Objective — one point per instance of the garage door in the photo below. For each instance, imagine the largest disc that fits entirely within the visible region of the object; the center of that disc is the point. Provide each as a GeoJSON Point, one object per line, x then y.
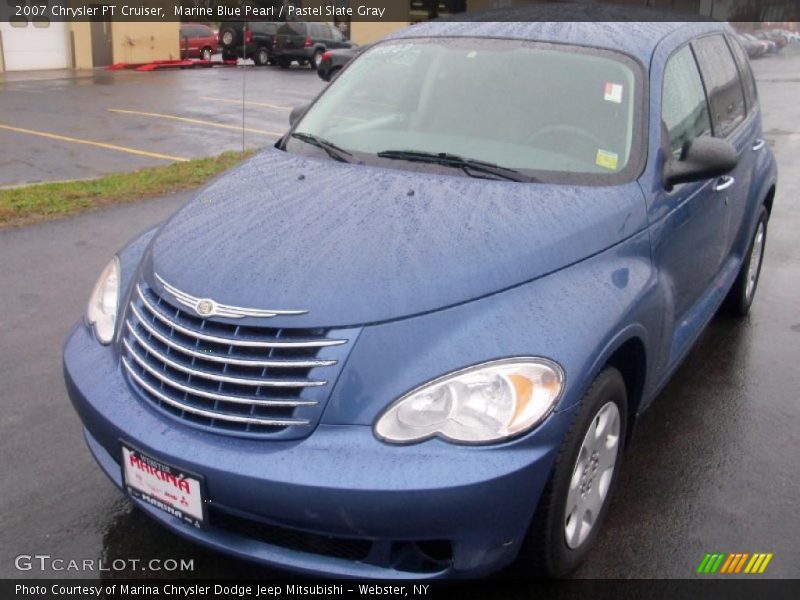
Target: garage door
{"type": "Point", "coordinates": [28, 46]}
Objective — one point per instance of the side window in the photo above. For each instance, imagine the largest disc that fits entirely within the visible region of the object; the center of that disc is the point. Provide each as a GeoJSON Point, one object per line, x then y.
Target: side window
{"type": "Point", "coordinates": [725, 92]}
{"type": "Point", "coordinates": [684, 110]}
{"type": "Point", "coordinates": [746, 72]}
{"type": "Point", "coordinates": [318, 32]}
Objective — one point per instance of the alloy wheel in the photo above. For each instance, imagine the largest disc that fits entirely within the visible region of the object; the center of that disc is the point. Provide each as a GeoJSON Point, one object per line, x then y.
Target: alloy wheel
{"type": "Point", "coordinates": [754, 262]}
{"type": "Point", "coordinates": [592, 475]}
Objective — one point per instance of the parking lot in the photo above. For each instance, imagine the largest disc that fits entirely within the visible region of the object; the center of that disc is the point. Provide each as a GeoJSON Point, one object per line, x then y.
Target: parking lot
{"type": "Point", "coordinates": [59, 127]}
{"type": "Point", "coordinates": [712, 465]}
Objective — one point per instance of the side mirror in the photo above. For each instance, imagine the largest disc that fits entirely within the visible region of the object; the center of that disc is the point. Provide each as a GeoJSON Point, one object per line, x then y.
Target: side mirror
{"type": "Point", "coordinates": [297, 112]}
{"type": "Point", "coordinates": [702, 158]}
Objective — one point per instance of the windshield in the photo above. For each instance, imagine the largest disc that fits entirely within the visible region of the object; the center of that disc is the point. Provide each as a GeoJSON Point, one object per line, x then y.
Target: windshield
{"type": "Point", "coordinates": [554, 112]}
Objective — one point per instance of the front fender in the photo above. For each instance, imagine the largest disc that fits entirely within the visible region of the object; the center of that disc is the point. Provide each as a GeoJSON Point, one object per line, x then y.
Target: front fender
{"type": "Point", "coordinates": [576, 316]}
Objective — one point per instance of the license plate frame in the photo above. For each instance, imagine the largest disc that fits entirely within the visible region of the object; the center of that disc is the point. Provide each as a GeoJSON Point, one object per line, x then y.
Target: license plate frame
{"type": "Point", "coordinates": [173, 490]}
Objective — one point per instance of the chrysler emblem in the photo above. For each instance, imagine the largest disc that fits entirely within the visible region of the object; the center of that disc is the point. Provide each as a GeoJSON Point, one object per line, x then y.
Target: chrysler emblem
{"type": "Point", "coordinates": [204, 307]}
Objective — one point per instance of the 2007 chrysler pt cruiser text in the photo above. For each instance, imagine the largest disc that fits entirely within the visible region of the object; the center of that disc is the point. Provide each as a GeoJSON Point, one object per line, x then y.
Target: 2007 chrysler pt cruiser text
{"type": "Point", "coordinates": [413, 337]}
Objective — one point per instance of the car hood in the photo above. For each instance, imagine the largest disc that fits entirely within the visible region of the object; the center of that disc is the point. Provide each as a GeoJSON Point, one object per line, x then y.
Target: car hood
{"type": "Point", "coordinates": [354, 244]}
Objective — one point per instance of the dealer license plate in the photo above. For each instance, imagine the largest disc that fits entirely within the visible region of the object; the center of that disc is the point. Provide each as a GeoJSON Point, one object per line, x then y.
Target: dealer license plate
{"type": "Point", "coordinates": [163, 486]}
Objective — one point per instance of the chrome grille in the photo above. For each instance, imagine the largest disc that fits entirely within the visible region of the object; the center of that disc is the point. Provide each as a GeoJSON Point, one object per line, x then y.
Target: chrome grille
{"type": "Point", "coordinates": [234, 378]}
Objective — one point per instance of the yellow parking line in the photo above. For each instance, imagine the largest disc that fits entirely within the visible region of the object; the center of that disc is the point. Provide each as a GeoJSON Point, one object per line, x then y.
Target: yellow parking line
{"type": "Point", "coordinates": [194, 121]}
{"type": "Point", "coordinates": [247, 102]}
{"type": "Point", "coordinates": [64, 138]}
{"type": "Point", "coordinates": [295, 93]}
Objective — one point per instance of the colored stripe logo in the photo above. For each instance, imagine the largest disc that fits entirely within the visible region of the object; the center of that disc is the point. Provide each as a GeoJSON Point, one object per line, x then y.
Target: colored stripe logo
{"type": "Point", "coordinates": [736, 563]}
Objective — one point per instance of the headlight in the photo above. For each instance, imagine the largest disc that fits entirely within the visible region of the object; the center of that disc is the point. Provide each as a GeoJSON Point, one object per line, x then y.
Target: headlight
{"type": "Point", "coordinates": [102, 311]}
{"type": "Point", "coordinates": [485, 403]}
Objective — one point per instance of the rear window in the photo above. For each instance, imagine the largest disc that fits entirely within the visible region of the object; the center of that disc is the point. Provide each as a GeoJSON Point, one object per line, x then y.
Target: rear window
{"type": "Point", "coordinates": [293, 29]}
{"type": "Point", "coordinates": [265, 28]}
{"type": "Point", "coordinates": [318, 31]}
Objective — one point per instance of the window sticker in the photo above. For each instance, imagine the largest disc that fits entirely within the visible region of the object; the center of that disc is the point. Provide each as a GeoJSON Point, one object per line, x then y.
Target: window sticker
{"type": "Point", "coordinates": [607, 159]}
{"type": "Point", "coordinates": [613, 92]}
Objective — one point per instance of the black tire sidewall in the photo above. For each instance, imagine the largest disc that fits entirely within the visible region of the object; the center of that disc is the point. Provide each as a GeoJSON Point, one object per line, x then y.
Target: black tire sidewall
{"type": "Point", "coordinates": [545, 551]}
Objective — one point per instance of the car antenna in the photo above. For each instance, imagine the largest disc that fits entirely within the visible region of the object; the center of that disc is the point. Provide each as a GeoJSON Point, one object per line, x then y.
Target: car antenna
{"type": "Point", "coordinates": [244, 77]}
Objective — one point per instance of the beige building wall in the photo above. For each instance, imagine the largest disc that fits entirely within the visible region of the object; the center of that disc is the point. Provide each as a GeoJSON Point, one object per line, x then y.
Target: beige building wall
{"type": "Point", "coordinates": [81, 36]}
{"type": "Point", "coordinates": [367, 32]}
{"type": "Point", "coordinates": [144, 42]}
{"type": "Point", "coordinates": [131, 42]}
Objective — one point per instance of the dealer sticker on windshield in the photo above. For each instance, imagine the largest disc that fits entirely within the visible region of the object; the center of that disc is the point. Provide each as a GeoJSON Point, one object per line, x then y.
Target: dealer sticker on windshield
{"type": "Point", "coordinates": [613, 93]}
{"type": "Point", "coordinates": [163, 486]}
{"type": "Point", "coordinates": [607, 159]}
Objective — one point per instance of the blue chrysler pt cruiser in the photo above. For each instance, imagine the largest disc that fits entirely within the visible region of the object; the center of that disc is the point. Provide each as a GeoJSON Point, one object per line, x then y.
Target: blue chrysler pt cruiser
{"type": "Point", "coordinates": [413, 337]}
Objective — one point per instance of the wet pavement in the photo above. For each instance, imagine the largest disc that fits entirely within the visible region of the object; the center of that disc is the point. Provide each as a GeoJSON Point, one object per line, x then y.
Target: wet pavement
{"type": "Point", "coordinates": [173, 113]}
{"type": "Point", "coordinates": [712, 467]}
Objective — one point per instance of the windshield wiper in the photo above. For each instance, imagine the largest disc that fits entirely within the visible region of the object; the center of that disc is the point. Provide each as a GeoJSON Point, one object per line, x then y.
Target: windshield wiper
{"type": "Point", "coordinates": [470, 166]}
{"type": "Point", "coordinates": [334, 151]}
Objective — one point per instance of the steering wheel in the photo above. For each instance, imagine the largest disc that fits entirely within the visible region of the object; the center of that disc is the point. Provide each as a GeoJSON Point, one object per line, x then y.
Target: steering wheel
{"type": "Point", "coordinates": [570, 130]}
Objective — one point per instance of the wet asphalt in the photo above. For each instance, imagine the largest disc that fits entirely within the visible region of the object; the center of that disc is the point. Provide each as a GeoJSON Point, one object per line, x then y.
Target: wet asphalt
{"type": "Point", "coordinates": [712, 467]}
{"type": "Point", "coordinates": [137, 111]}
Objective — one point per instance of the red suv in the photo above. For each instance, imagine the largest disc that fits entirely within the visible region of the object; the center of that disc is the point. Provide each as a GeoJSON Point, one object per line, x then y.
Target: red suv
{"type": "Point", "coordinates": [197, 41]}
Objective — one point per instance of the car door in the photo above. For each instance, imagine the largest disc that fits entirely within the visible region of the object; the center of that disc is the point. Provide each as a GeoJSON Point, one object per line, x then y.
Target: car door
{"type": "Point", "coordinates": [194, 40]}
{"type": "Point", "coordinates": [690, 221]}
{"type": "Point", "coordinates": [729, 121]}
{"type": "Point", "coordinates": [754, 148]}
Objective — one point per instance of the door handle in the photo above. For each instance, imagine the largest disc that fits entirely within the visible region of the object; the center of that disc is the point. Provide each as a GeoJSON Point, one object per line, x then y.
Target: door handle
{"type": "Point", "coordinates": [758, 145]}
{"type": "Point", "coordinates": [723, 183]}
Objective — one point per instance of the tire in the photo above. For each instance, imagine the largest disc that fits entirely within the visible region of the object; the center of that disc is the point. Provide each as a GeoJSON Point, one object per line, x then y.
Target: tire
{"type": "Point", "coordinates": [284, 63]}
{"type": "Point", "coordinates": [228, 36]}
{"type": "Point", "coordinates": [315, 60]}
{"type": "Point", "coordinates": [740, 297]}
{"type": "Point", "coordinates": [261, 56]}
{"type": "Point", "coordinates": [546, 550]}
{"type": "Point", "coordinates": [333, 73]}
{"type": "Point", "coordinates": [205, 53]}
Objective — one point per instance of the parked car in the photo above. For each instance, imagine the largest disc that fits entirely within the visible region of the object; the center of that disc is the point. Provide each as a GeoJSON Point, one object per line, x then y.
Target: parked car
{"type": "Point", "coordinates": [332, 61]}
{"type": "Point", "coordinates": [422, 348]}
{"type": "Point", "coordinates": [254, 39]}
{"type": "Point", "coordinates": [778, 40]}
{"type": "Point", "coordinates": [306, 43]}
{"type": "Point", "coordinates": [754, 47]}
{"type": "Point", "coordinates": [197, 41]}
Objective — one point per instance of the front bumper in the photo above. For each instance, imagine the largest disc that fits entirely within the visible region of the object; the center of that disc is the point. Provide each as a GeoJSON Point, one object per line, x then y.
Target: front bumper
{"type": "Point", "coordinates": [340, 482]}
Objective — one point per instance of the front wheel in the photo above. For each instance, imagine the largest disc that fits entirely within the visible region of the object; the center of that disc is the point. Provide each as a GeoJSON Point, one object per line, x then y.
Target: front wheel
{"type": "Point", "coordinates": [316, 59]}
{"type": "Point", "coordinates": [740, 298]}
{"type": "Point", "coordinates": [575, 501]}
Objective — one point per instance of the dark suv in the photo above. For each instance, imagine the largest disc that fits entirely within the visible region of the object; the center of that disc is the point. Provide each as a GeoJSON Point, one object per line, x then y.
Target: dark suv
{"type": "Point", "coordinates": [255, 40]}
{"type": "Point", "coordinates": [306, 43]}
